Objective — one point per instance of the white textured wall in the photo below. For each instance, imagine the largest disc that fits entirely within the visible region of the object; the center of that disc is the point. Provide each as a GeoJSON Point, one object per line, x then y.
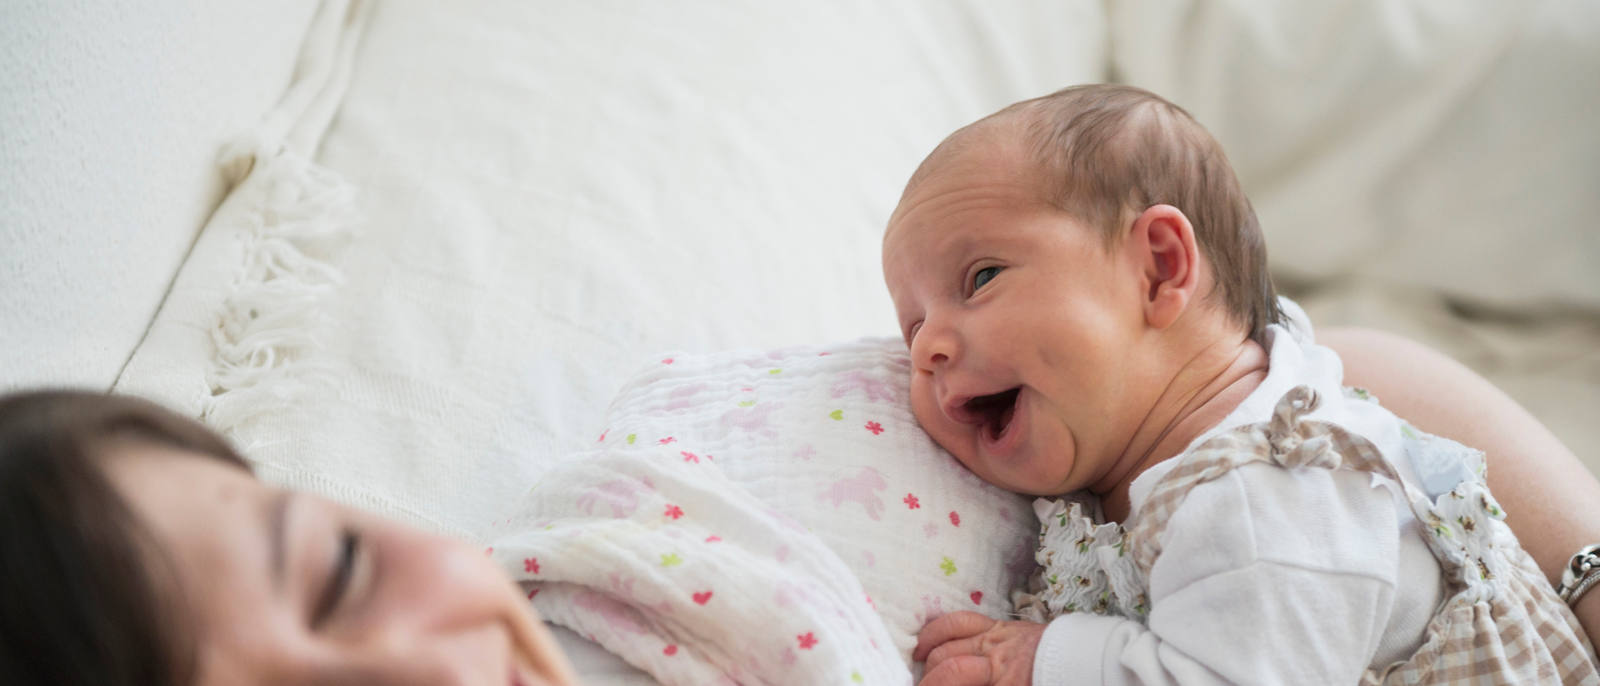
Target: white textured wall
{"type": "Point", "coordinates": [111, 114]}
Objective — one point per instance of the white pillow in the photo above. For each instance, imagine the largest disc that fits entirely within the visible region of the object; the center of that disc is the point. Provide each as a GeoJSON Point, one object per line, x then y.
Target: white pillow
{"type": "Point", "coordinates": [825, 435]}
{"type": "Point", "coordinates": [1446, 145]}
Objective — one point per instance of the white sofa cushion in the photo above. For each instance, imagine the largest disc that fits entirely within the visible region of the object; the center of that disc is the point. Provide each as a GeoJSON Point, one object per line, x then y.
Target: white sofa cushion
{"type": "Point", "coordinates": [1442, 145]}
{"type": "Point", "coordinates": [112, 120]}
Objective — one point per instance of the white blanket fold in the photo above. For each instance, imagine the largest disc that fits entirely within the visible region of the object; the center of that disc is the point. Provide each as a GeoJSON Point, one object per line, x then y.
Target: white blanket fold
{"type": "Point", "coordinates": [659, 558]}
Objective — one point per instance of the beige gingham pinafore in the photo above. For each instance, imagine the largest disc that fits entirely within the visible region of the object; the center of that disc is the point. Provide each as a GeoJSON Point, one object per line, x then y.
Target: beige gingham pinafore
{"type": "Point", "coordinates": [1500, 622]}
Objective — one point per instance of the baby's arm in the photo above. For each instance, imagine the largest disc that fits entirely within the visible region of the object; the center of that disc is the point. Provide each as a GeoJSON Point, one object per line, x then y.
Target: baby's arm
{"type": "Point", "coordinates": [1549, 496]}
{"type": "Point", "coordinates": [1267, 576]}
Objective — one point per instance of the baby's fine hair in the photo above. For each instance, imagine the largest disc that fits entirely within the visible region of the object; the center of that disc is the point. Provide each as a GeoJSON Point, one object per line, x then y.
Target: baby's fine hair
{"type": "Point", "coordinates": [1109, 149]}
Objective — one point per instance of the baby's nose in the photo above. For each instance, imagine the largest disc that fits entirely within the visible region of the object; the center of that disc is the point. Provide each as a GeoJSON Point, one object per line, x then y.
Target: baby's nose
{"type": "Point", "coordinates": [934, 348]}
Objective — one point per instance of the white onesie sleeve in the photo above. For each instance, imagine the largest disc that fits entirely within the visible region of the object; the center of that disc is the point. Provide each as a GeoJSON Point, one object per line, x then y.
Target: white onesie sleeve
{"type": "Point", "coordinates": [1266, 576]}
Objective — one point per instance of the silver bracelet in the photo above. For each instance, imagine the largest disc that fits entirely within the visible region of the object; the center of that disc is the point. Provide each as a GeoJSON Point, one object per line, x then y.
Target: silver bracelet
{"type": "Point", "coordinates": [1581, 574]}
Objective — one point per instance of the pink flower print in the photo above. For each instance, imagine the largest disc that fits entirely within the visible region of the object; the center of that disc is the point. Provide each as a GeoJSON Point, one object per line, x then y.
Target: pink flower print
{"type": "Point", "coordinates": [667, 361]}
{"type": "Point", "coordinates": [667, 440]}
{"type": "Point", "coordinates": [533, 593]}
{"type": "Point", "coordinates": [823, 354]}
{"type": "Point", "coordinates": [955, 519]}
{"type": "Point", "coordinates": [977, 597]}
{"type": "Point", "coordinates": [488, 551]}
{"type": "Point", "coordinates": [673, 512]}
{"type": "Point", "coordinates": [713, 538]}
{"type": "Point", "coordinates": [911, 501]}
{"type": "Point", "coordinates": [531, 565]}
{"type": "Point", "coordinates": [871, 604]}
{"type": "Point", "coordinates": [670, 650]}
{"type": "Point", "coordinates": [603, 436]}
{"type": "Point", "coordinates": [807, 640]}
{"type": "Point", "coordinates": [875, 428]}
{"type": "Point", "coordinates": [702, 597]}
{"type": "Point", "coordinates": [689, 457]}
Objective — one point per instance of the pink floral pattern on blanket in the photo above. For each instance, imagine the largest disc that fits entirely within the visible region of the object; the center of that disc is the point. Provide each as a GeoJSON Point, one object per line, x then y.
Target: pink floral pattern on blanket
{"type": "Point", "coordinates": [824, 440]}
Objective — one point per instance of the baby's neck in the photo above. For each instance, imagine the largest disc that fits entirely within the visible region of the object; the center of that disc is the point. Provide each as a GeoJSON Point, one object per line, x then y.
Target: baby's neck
{"type": "Point", "coordinates": [1204, 390]}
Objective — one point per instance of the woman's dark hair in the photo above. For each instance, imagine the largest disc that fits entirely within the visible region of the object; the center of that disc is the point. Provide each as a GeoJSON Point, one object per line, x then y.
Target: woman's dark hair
{"type": "Point", "coordinates": [81, 574]}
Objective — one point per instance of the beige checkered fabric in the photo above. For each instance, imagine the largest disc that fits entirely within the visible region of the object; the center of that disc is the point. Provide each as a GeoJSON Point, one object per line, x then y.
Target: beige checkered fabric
{"type": "Point", "coordinates": [1500, 624]}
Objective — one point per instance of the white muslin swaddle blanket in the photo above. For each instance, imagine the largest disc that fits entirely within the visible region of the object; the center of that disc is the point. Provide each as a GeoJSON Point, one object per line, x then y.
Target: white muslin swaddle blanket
{"type": "Point", "coordinates": [661, 559]}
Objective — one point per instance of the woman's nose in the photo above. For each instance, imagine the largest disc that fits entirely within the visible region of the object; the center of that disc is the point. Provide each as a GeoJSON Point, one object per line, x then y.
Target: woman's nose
{"type": "Point", "coordinates": [435, 587]}
{"type": "Point", "coordinates": [936, 344]}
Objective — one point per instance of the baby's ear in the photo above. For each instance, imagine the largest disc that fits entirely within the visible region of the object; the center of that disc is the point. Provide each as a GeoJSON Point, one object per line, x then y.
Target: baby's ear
{"type": "Point", "coordinates": [1169, 260]}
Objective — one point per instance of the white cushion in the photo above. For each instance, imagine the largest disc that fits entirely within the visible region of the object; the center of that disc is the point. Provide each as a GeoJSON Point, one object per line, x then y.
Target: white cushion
{"type": "Point", "coordinates": [110, 126]}
{"type": "Point", "coordinates": [1444, 145]}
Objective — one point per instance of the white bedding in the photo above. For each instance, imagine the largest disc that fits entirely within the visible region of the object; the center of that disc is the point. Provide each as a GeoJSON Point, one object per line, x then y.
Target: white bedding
{"type": "Point", "coordinates": [553, 192]}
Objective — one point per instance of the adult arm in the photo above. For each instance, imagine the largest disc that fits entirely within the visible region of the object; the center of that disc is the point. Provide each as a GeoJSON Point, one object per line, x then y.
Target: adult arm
{"type": "Point", "coordinates": [1550, 498]}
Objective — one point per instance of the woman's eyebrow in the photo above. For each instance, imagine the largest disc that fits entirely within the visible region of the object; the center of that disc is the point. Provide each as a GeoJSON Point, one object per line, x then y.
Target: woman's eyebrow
{"type": "Point", "coordinates": [277, 526]}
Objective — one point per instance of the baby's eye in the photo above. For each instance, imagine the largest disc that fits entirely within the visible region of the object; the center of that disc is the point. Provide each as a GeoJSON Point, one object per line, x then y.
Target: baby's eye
{"type": "Point", "coordinates": [984, 276]}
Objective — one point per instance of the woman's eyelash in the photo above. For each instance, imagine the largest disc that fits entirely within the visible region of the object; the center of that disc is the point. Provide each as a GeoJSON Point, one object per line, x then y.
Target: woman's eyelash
{"type": "Point", "coordinates": [349, 544]}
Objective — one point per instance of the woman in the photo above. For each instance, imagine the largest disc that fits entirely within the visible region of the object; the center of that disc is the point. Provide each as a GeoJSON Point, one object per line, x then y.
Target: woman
{"type": "Point", "coordinates": [121, 519]}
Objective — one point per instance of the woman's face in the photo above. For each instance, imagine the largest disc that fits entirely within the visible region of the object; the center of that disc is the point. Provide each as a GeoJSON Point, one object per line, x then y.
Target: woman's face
{"type": "Point", "coordinates": [286, 588]}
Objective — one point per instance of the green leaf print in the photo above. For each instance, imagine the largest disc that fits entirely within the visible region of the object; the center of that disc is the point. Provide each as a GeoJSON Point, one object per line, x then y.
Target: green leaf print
{"type": "Point", "coordinates": [948, 565]}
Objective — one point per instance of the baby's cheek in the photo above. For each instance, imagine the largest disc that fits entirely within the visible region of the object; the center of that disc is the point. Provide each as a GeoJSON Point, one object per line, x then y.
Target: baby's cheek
{"type": "Point", "coordinates": [924, 406]}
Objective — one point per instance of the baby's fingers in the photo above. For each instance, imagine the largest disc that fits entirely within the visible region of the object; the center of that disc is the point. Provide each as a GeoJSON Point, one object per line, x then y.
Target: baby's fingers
{"type": "Point", "coordinates": [963, 670]}
{"type": "Point", "coordinates": [971, 645]}
{"type": "Point", "coordinates": [949, 628]}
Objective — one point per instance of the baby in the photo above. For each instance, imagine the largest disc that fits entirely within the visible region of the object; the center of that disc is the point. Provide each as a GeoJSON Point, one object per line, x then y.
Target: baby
{"type": "Point", "coordinates": [1083, 287]}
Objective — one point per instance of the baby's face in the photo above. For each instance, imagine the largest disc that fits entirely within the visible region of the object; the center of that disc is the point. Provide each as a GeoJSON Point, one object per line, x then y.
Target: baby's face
{"type": "Point", "coordinates": [1016, 316]}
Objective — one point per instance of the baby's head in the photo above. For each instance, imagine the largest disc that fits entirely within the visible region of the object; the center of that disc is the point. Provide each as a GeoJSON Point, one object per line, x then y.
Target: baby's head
{"type": "Point", "coordinates": [1053, 264]}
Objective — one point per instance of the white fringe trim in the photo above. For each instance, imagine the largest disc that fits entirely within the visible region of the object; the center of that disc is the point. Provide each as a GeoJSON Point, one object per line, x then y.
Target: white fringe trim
{"type": "Point", "coordinates": [266, 335]}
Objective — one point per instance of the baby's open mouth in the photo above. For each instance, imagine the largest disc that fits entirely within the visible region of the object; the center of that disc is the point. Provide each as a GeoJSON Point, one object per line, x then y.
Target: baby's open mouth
{"type": "Point", "coordinates": [995, 410]}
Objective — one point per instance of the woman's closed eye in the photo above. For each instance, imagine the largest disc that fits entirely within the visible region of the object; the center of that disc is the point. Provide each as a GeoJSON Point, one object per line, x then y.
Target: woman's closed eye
{"type": "Point", "coordinates": [338, 584]}
{"type": "Point", "coordinates": [983, 276]}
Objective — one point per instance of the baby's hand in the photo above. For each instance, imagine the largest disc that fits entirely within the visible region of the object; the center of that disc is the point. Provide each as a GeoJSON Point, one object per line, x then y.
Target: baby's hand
{"type": "Point", "coordinates": [969, 649]}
